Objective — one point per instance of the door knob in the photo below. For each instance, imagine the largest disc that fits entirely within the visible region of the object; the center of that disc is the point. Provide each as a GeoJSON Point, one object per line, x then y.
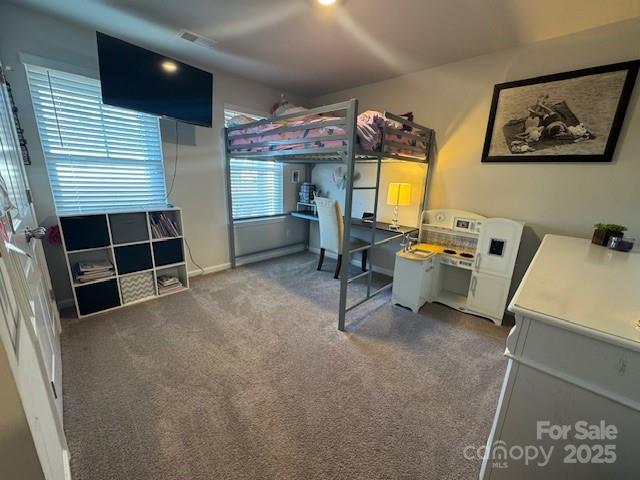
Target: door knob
{"type": "Point", "coordinates": [37, 233]}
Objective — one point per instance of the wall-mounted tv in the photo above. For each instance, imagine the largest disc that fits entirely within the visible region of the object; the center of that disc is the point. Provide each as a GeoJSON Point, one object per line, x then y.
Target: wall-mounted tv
{"type": "Point", "coordinates": [145, 81]}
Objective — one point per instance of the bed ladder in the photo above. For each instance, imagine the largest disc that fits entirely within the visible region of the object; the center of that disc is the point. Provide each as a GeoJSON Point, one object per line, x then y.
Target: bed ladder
{"type": "Point", "coordinates": [372, 244]}
{"type": "Point", "coordinates": [345, 280]}
{"type": "Point", "coordinates": [349, 160]}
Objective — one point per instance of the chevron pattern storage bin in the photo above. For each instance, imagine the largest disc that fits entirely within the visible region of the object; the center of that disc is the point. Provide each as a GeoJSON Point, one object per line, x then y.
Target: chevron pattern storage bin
{"type": "Point", "coordinates": [137, 287]}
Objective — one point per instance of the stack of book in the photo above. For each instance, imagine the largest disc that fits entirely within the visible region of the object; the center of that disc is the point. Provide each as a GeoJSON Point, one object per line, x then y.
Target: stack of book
{"type": "Point", "coordinates": [168, 284]}
{"type": "Point", "coordinates": [90, 271]}
{"type": "Point", "coordinates": [162, 226]}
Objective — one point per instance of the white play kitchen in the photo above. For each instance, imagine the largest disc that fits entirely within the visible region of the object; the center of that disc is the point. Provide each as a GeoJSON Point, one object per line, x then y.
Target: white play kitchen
{"type": "Point", "coordinates": [462, 260]}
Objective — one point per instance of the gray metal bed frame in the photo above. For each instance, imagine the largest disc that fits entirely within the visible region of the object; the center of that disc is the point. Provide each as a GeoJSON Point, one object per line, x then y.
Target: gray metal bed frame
{"type": "Point", "coordinates": [348, 154]}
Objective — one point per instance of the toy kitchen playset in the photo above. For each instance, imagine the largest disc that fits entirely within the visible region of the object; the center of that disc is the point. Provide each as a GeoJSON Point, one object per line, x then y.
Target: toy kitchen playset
{"type": "Point", "coordinates": [463, 260]}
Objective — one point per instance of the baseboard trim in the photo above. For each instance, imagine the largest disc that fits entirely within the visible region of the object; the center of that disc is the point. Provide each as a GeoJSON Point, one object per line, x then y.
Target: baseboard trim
{"type": "Point", "coordinates": [251, 258]}
{"type": "Point", "coordinates": [277, 252]}
{"type": "Point", "coordinates": [65, 303]}
{"type": "Point", "coordinates": [355, 262]}
{"type": "Point", "coordinates": [208, 270]}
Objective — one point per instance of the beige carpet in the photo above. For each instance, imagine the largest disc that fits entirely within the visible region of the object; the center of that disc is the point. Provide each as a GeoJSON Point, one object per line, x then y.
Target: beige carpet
{"type": "Point", "coordinates": [246, 377]}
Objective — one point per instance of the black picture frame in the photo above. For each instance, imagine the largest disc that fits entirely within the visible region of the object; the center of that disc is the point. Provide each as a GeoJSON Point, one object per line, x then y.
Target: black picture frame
{"type": "Point", "coordinates": [606, 155]}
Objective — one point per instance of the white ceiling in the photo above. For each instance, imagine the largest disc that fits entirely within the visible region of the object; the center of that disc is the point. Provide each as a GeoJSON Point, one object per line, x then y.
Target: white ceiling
{"type": "Point", "coordinates": [305, 48]}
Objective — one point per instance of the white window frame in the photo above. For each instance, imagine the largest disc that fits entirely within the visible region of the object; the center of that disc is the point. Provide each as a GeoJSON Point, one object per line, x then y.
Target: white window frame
{"type": "Point", "coordinates": [12, 175]}
{"type": "Point", "coordinates": [122, 152]}
{"type": "Point", "coordinates": [254, 168]}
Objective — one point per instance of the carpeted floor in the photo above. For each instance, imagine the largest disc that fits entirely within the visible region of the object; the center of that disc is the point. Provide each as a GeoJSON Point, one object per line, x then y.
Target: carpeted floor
{"type": "Point", "coordinates": [246, 377]}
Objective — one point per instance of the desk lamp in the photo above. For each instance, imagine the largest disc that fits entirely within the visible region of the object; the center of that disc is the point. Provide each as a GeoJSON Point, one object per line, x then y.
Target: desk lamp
{"type": "Point", "coordinates": [398, 195]}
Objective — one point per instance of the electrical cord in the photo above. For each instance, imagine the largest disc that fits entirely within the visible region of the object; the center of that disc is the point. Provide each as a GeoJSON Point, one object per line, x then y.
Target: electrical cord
{"type": "Point", "coordinates": [175, 166]}
{"type": "Point", "coordinates": [173, 181]}
{"type": "Point", "coordinates": [202, 272]}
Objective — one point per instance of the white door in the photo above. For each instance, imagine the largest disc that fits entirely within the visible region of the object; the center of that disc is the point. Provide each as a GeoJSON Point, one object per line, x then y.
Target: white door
{"type": "Point", "coordinates": [488, 296]}
{"type": "Point", "coordinates": [35, 343]}
{"type": "Point", "coordinates": [498, 246]}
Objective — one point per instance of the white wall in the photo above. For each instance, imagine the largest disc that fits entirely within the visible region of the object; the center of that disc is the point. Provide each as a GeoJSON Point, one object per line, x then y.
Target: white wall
{"type": "Point", "coordinates": [404, 172]}
{"type": "Point", "coordinates": [199, 187]}
{"type": "Point", "coordinates": [454, 99]}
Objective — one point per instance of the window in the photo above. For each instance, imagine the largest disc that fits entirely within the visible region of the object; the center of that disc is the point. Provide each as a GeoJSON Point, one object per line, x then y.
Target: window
{"type": "Point", "coordinates": [99, 158]}
{"type": "Point", "coordinates": [256, 185]}
{"type": "Point", "coordinates": [13, 191]}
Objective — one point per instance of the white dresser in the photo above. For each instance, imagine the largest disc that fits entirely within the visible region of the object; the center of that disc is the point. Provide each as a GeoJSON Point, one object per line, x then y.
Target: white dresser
{"type": "Point", "coordinates": [573, 370]}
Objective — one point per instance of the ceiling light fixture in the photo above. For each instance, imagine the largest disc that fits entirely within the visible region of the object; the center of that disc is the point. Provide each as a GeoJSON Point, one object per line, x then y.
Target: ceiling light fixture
{"type": "Point", "coordinates": [169, 66]}
{"type": "Point", "coordinates": [326, 2]}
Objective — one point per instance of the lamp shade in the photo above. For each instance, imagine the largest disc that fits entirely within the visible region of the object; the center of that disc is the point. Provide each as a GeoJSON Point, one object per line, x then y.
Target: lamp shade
{"type": "Point", "coordinates": [399, 194]}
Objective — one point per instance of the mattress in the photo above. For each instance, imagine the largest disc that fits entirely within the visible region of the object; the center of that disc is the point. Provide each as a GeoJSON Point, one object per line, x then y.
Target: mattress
{"type": "Point", "coordinates": [370, 125]}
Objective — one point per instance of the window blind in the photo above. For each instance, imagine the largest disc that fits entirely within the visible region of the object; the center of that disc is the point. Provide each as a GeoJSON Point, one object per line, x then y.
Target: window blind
{"type": "Point", "coordinates": [11, 176]}
{"type": "Point", "coordinates": [99, 158]}
{"type": "Point", "coordinates": [256, 185]}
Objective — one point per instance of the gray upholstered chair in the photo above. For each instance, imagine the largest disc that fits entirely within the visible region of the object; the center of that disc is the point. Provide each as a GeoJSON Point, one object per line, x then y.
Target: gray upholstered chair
{"type": "Point", "coordinates": [332, 231]}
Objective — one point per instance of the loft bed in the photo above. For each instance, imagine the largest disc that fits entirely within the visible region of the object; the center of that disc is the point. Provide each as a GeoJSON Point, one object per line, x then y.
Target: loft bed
{"type": "Point", "coordinates": [332, 134]}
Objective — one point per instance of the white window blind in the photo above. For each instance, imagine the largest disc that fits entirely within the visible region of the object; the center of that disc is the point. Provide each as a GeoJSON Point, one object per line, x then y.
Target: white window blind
{"type": "Point", "coordinates": [11, 175]}
{"type": "Point", "coordinates": [99, 158]}
{"type": "Point", "coordinates": [256, 185]}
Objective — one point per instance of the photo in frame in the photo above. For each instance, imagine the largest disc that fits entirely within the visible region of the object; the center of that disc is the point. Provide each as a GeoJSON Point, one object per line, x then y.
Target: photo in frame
{"type": "Point", "coordinates": [565, 117]}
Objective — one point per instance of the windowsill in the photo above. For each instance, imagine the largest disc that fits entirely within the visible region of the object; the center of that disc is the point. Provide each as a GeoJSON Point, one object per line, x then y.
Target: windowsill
{"type": "Point", "coordinates": [252, 221]}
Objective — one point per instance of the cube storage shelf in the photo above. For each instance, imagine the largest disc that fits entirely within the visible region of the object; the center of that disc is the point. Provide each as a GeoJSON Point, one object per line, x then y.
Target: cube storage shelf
{"type": "Point", "coordinates": [141, 246]}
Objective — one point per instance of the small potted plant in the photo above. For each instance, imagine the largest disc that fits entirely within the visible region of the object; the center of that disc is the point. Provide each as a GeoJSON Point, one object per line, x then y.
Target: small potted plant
{"type": "Point", "coordinates": [604, 231]}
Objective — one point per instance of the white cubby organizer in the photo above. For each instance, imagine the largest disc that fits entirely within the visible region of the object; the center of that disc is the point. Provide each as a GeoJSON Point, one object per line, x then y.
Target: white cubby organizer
{"type": "Point", "coordinates": [138, 252]}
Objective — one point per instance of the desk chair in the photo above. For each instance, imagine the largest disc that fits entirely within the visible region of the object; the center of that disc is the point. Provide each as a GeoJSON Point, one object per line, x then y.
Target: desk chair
{"type": "Point", "coordinates": [332, 231]}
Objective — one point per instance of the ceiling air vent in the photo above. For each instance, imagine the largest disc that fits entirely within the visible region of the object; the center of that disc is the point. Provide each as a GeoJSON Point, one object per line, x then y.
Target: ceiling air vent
{"type": "Point", "coordinates": [197, 39]}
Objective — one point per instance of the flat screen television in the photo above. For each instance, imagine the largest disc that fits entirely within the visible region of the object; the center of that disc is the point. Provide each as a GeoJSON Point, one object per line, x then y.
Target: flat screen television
{"type": "Point", "coordinates": [139, 79]}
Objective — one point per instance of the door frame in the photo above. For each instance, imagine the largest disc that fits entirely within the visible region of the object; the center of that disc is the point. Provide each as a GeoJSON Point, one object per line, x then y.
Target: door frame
{"type": "Point", "coordinates": [28, 367]}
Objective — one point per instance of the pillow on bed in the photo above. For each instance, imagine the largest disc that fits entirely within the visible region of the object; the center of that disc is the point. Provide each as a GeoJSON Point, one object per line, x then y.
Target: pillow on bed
{"type": "Point", "coordinates": [287, 108]}
{"type": "Point", "coordinates": [401, 126]}
{"type": "Point", "coordinates": [240, 120]}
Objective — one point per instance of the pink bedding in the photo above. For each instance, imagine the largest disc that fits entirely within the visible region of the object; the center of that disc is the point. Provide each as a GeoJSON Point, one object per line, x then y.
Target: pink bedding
{"type": "Point", "coordinates": [369, 129]}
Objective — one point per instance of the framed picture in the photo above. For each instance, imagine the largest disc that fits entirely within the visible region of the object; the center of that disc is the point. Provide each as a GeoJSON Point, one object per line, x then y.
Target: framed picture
{"type": "Point", "coordinates": [566, 117]}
